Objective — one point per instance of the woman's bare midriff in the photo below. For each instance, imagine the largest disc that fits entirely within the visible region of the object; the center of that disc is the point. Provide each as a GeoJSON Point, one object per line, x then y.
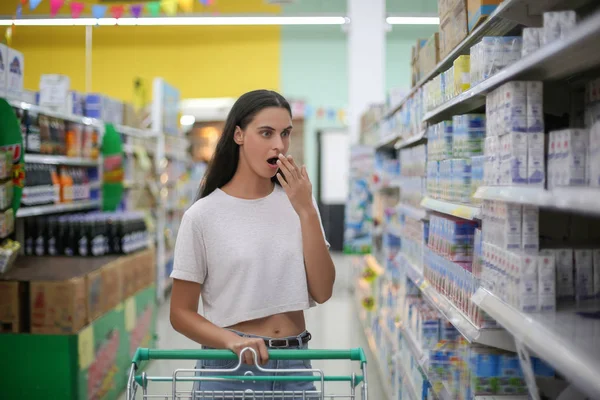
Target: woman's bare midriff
{"type": "Point", "coordinates": [275, 326]}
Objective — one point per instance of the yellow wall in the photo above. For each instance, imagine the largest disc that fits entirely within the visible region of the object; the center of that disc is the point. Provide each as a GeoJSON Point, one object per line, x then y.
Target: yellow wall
{"type": "Point", "coordinates": [200, 61]}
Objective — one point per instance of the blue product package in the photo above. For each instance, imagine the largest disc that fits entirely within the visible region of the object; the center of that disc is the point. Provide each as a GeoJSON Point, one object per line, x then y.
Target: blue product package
{"type": "Point", "coordinates": [484, 373]}
{"type": "Point", "coordinates": [542, 369]}
{"type": "Point", "coordinates": [511, 380]}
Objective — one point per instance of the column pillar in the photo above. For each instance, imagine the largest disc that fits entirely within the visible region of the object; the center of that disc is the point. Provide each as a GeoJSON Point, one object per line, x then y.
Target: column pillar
{"type": "Point", "coordinates": [366, 59]}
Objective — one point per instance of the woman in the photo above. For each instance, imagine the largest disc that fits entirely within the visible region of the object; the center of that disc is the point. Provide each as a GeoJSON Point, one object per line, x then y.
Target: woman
{"type": "Point", "coordinates": [253, 247]}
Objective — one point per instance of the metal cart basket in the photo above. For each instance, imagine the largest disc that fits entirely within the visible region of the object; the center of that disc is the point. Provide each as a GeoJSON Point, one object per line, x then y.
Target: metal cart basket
{"type": "Point", "coordinates": [143, 380]}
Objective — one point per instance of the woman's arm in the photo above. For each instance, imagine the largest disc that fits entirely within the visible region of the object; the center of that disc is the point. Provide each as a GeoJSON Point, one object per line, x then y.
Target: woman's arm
{"type": "Point", "coordinates": [320, 271]}
{"type": "Point", "coordinates": [186, 320]}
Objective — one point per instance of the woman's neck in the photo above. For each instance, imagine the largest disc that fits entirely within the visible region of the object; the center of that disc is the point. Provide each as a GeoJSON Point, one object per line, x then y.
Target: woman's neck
{"type": "Point", "coordinates": [245, 184]}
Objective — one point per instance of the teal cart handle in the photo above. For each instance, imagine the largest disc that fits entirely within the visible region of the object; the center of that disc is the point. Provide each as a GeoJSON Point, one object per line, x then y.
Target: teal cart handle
{"type": "Point", "coordinates": [145, 354]}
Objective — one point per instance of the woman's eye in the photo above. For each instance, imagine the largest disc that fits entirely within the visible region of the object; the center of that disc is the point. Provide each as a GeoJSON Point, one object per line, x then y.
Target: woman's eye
{"type": "Point", "coordinates": [285, 134]}
{"type": "Point", "coordinates": [266, 133]}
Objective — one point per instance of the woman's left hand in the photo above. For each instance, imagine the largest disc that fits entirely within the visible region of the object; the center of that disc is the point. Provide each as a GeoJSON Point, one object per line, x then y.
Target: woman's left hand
{"type": "Point", "coordinates": [296, 184]}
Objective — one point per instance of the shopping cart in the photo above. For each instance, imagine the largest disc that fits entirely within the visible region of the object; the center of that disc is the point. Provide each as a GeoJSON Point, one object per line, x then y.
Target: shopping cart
{"type": "Point", "coordinates": [189, 375]}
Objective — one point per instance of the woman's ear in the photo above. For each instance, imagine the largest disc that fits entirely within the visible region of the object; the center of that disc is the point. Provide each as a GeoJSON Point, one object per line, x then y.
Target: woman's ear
{"type": "Point", "coordinates": [238, 136]}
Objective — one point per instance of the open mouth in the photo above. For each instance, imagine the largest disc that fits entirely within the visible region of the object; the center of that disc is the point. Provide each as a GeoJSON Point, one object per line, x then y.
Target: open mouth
{"type": "Point", "coordinates": [272, 161]}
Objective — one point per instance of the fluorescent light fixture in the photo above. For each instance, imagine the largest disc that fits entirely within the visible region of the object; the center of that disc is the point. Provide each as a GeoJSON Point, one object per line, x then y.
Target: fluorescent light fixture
{"type": "Point", "coordinates": [413, 20]}
{"type": "Point", "coordinates": [179, 21]}
{"type": "Point", "coordinates": [187, 120]}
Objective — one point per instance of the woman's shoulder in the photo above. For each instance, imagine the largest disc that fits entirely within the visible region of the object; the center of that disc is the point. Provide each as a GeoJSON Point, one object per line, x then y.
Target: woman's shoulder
{"type": "Point", "coordinates": [203, 207]}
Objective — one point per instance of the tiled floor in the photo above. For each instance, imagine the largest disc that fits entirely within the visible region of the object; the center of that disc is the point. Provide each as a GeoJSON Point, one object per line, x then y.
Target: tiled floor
{"type": "Point", "coordinates": [334, 325]}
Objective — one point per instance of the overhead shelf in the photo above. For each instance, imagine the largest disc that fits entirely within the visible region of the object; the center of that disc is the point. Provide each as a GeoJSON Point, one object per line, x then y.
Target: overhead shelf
{"type": "Point", "coordinates": [55, 114]}
{"type": "Point", "coordinates": [402, 143]}
{"type": "Point", "coordinates": [57, 208]}
{"type": "Point", "coordinates": [567, 341]}
{"type": "Point", "coordinates": [458, 210]}
{"type": "Point", "coordinates": [498, 338]}
{"type": "Point", "coordinates": [61, 160]}
{"type": "Point", "coordinates": [388, 141]}
{"type": "Point", "coordinates": [413, 212]}
{"type": "Point", "coordinates": [560, 59]}
{"type": "Point", "coordinates": [580, 199]}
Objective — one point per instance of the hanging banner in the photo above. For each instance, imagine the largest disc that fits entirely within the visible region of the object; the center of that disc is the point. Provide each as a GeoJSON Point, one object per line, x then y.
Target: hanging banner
{"type": "Point", "coordinates": [98, 11]}
{"type": "Point", "coordinates": [187, 5]}
{"type": "Point", "coordinates": [136, 10]}
{"type": "Point", "coordinates": [113, 172]}
{"type": "Point", "coordinates": [153, 9]}
{"type": "Point", "coordinates": [76, 9]}
{"type": "Point", "coordinates": [117, 11]}
{"type": "Point", "coordinates": [33, 4]}
{"type": "Point", "coordinates": [55, 6]}
{"type": "Point", "coordinates": [169, 7]}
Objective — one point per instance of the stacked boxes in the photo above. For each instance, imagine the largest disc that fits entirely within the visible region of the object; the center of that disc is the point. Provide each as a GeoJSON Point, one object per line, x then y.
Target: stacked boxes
{"type": "Point", "coordinates": [453, 25]}
{"type": "Point", "coordinates": [567, 158]}
{"type": "Point", "coordinates": [515, 142]}
{"type": "Point", "coordinates": [557, 25]}
{"type": "Point", "coordinates": [493, 54]}
{"type": "Point", "coordinates": [429, 54]}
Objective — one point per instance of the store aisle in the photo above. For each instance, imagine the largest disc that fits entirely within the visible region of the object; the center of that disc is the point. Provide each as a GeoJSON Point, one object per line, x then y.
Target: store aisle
{"type": "Point", "coordinates": [334, 325]}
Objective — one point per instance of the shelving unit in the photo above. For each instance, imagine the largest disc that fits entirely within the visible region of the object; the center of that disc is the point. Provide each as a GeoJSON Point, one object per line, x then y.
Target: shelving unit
{"type": "Point", "coordinates": [60, 160]}
{"type": "Point", "coordinates": [457, 210]}
{"type": "Point", "coordinates": [413, 212]}
{"type": "Point", "coordinates": [579, 199]}
{"type": "Point", "coordinates": [37, 211]}
{"type": "Point", "coordinates": [566, 340]}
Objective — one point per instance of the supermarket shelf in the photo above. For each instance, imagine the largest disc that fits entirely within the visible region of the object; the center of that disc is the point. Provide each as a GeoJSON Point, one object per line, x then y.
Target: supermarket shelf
{"type": "Point", "coordinates": [406, 381]}
{"type": "Point", "coordinates": [567, 341]}
{"type": "Point", "coordinates": [457, 210]}
{"type": "Point", "coordinates": [387, 390]}
{"type": "Point", "coordinates": [135, 132]}
{"type": "Point", "coordinates": [61, 160]}
{"type": "Point", "coordinates": [498, 338]}
{"type": "Point", "coordinates": [411, 140]}
{"type": "Point", "coordinates": [50, 113]}
{"type": "Point", "coordinates": [413, 212]}
{"type": "Point", "coordinates": [57, 208]}
{"type": "Point", "coordinates": [388, 141]}
{"type": "Point", "coordinates": [581, 199]}
{"type": "Point", "coordinates": [560, 59]}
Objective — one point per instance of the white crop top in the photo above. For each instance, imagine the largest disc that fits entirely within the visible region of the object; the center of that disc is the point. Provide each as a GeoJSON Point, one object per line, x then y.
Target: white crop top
{"type": "Point", "coordinates": [247, 254]}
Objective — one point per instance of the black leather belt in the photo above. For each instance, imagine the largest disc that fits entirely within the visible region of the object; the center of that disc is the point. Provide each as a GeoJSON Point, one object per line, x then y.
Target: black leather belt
{"type": "Point", "coordinates": [287, 343]}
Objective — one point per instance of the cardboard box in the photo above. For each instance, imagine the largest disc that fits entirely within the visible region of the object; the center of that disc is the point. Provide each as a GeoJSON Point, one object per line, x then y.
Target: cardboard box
{"type": "Point", "coordinates": [94, 293]}
{"type": "Point", "coordinates": [12, 307]}
{"type": "Point", "coordinates": [58, 307]}
{"type": "Point", "coordinates": [429, 55]}
{"type": "Point", "coordinates": [479, 10]}
{"type": "Point", "coordinates": [112, 285]}
{"type": "Point", "coordinates": [453, 28]}
{"type": "Point", "coordinates": [16, 73]}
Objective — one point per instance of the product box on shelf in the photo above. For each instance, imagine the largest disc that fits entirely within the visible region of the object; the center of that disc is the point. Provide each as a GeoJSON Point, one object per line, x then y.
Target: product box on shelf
{"type": "Point", "coordinates": [462, 74]}
{"type": "Point", "coordinates": [104, 108]}
{"type": "Point", "coordinates": [532, 40]}
{"type": "Point", "coordinates": [594, 156]}
{"type": "Point", "coordinates": [16, 73]}
{"type": "Point", "coordinates": [557, 25]}
{"type": "Point", "coordinates": [584, 280]}
{"type": "Point", "coordinates": [54, 89]}
{"type": "Point", "coordinates": [429, 55]}
{"type": "Point", "coordinates": [479, 10]}
{"type": "Point", "coordinates": [13, 297]}
{"type": "Point", "coordinates": [3, 68]}
{"type": "Point", "coordinates": [547, 283]}
{"type": "Point", "coordinates": [453, 27]}
{"type": "Point", "coordinates": [58, 307]}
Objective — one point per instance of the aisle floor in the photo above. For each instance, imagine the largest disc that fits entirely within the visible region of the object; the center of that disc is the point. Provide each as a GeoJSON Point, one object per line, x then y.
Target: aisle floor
{"type": "Point", "coordinates": [334, 325]}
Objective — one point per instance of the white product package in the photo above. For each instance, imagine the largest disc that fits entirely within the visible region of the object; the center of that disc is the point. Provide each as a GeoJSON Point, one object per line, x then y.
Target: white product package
{"type": "Point", "coordinates": [532, 38]}
{"type": "Point", "coordinates": [584, 280]}
{"type": "Point", "coordinates": [513, 107]}
{"type": "Point", "coordinates": [16, 73]}
{"type": "Point", "coordinates": [565, 274]}
{"type": "Point", "coordinates": [530, 229]}
{"type": "Point", "coordinates": [594, 156]}
{"type": "Point", "coordinates": [528, 284]}
{"type": "Point", "coordinates": [596, 260]}
{"type": "Point", "coordinates": [547, 283]}
{"type": "Point", "coordinates": [514, 159]}
{"type": "Point", "coordinates": [576, 143]}
{"type": "Point", "coordinates": [3, 68]}
{"type": "Point", "coordinates": [54, 89]}
{"type": "Point", "coordinates": [557, 25]}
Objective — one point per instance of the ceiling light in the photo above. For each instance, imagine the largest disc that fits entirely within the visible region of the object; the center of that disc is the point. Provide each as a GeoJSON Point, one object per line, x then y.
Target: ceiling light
{"type": "Point", "coordinates": [178, 21]}
{"type": "Point", "coordinates": [413, 20]}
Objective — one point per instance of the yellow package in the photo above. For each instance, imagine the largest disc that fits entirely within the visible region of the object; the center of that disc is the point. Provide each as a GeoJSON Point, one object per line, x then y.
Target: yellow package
{"type": "Point", "coordinates": [462, 74]}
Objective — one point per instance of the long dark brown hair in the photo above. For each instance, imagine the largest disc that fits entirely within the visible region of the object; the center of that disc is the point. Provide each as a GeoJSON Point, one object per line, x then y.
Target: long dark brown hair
{"type": "Point", "coordinates": [225, 160]}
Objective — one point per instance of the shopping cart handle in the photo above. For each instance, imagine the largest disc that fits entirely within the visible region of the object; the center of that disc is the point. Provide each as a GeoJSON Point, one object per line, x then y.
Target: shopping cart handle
{"type": "Point", "coordinates": [145, 354]}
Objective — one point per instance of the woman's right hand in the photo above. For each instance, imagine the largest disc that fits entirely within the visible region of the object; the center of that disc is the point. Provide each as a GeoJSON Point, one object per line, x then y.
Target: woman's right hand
{"type": "Point", "coordinates": [238, 343]}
